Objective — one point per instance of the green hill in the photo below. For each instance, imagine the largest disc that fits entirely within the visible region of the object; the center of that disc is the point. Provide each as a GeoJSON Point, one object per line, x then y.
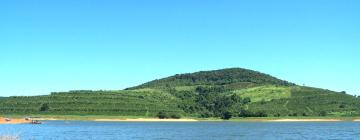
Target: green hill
{"type": "Point", "coordinates": [220, 93]}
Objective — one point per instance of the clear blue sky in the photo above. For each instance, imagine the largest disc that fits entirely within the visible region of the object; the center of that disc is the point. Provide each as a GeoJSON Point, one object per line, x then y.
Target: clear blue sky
{"type": "Point", "coordinates": [62, 45]}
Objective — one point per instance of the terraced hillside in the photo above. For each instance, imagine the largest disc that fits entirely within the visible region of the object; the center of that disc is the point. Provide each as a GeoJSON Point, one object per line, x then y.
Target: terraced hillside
{"type": "Point", "coordinates": [306, 101]}
{"type": "Point", "coordinates": [124, 103]}
{"type": "Point", "coordinates": [220, 93]}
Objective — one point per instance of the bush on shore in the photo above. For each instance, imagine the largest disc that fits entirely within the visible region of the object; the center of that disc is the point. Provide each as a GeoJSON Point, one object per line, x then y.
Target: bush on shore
{"type": "Point", "coordinates": [164, 115]}
{"type": "Point", "coordinates": [226, 115]}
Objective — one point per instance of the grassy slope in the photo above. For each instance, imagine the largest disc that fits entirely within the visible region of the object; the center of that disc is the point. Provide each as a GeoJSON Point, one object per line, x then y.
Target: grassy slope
{"type": "Point", "coordinates": [125, 103]}
{"type": "Point", "coordinates": [264, 93]}
{"type": "Point", "coordinates": [306, 101]}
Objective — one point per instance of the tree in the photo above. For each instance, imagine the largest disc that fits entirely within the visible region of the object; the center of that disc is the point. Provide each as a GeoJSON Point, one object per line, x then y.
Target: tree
{"type": "Point", "coordinates": [304, 114]}
{"type": "Point", "coordinates": [175, 116]}
{"type": "Point", "coordinates": [44, 107]}
{"type": "Point", "coordinates": [293, 114]}
{"type": "Point", "coordinates": [246, 100]}
{"type": "Point", "coordinates": [322, 113]}
{"type": "Point", "coordinates": [235, 98]}
{"type": "Point", "coordinates": [226, 115]}
{"type": "Point", "coordinates": [277, 115]}
{"type": "Point", "coordinates": [342, 106]}
{"type": "Point", "coordinates": [262, 101]}
{"type": "Point", "coordinates": [244, 113]}
{"type": "Point", "coordinates": [261, 114]}
{"type": "Point", "coordinates": [162, 115]}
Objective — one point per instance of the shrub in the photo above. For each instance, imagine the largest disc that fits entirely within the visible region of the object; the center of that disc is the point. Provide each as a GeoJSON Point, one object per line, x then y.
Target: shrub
{"type": "Point", "coordinates": [322, 113]}
{"type": "Point", "coordinates": [175, 116]}
{"type": "Point", "coordinates": [226, 115]}
{"type": "Point", "coordinates": [263, 102]}
{"type": "Point", "coordinates": [293, 114]}
{"type": "Point", "coordinates": [277, 115]}
{"type": "Point", "coordinates": [206, 115]}
{"type": "Point", "coordinates": [245, 113]}
{"type": "Point", "coordinates": [260, 114]}
{"type": "Point", "coordinates": [44, 107]}
{"type": "Point", "coordinates": [342, 106]}
{"type": "Point", "coordinates": [162, 115]}
{"type": "Point", "coordinates": [246, 100]}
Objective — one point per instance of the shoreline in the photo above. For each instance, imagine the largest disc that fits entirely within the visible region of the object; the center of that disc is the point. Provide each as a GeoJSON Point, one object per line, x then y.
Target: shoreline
{"type": "Point", "coordinates": [307, 120]}
{"type": "Point", "coordinates": [146, 120]}
{"type": "Point", "coordinates": [19, 120]}
{"type": "Point", "coordinates": [13, 121]}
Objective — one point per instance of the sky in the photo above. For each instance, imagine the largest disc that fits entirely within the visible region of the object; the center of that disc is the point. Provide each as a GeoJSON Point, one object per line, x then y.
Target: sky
{"type": "Point", "coordinates": [63, 45]}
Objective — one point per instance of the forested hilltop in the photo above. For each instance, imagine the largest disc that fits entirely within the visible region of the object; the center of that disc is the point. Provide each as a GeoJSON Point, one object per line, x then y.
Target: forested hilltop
{"type": "Point", "coordinates": [222, 93]}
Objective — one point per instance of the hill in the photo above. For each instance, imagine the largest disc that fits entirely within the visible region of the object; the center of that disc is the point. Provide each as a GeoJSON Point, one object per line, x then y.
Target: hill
{"type": "Point", "coordinates": [222, 93]}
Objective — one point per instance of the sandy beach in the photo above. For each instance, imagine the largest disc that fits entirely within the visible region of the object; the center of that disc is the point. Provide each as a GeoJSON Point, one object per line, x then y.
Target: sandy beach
{"type": "Point", "coordinates": [146, 120]}
{"type": "Point", "coordinates": [13, 121]}
{"type": "Point", "coordinates": [47, 119]}
{"type": "Point", "coordinates": [22, 120]}
{"type": "Point", "coordinates": [122, 119]}
{"type": "Point", "coordinates": [305, 120]}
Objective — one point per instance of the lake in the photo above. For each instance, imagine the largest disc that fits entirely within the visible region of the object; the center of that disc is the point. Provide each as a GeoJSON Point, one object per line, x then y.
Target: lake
{"type": "Point", "coordinates": [84, 130]}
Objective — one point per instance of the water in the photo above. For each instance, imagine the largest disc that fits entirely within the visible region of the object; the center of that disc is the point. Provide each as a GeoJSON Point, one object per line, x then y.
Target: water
{"type": "Point", "coordinates": [84, 130]}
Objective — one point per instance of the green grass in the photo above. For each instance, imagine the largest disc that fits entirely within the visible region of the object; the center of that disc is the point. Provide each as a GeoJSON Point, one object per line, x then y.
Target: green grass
{"type": "Point", "coordinates": [185, 88]}
{"type": "Point", "coordinates": [265, 93]}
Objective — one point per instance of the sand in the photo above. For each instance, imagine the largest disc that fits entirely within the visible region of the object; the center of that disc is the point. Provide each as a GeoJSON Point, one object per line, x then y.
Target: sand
{"type": "Point", "coordinates": [47, 119]}
{"type": "Point", "coordinates": [305, 120]}
{"type": "Point", "coordinates": [146, 120]}
{"type": "Point", "coordinates": [13, 121]}
{"type": "Point", "coordinates": [20, 121]}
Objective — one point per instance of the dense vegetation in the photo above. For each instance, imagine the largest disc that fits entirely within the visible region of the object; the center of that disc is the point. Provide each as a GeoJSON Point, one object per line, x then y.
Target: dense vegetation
{"type": "Point", "coordinates": [218, 77]}
{"type": "Point", "coordinates": [222, 93]}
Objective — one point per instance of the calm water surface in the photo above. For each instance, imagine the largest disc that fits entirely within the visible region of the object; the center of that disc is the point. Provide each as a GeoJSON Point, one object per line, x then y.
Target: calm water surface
{"type": "Point", "coordinates": [84, 130]}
